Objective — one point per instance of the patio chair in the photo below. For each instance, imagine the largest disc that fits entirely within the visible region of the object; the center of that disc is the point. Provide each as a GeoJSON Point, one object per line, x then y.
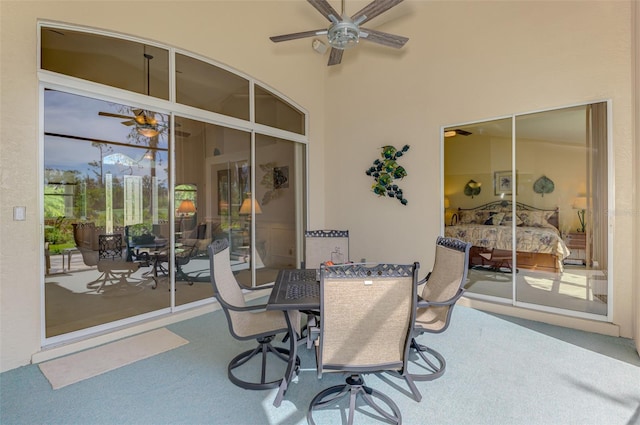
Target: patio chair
{"type": "Point", "coordinates": [247, 322]}
{"type": "Point", "coordinates": [325, 245]}
{"type": "Point", "coordinates": [321, 246]}
{"type": "Point", "coordinates": [367, 314]}
{"type": "Point", "coordinates": [183, 256]}
{"type": "Point", "coordinates": [107, 258]}
{"type": "Point", "coordinates": [443, 287]}
{"type": "Point", "coordinates": [497, 259]}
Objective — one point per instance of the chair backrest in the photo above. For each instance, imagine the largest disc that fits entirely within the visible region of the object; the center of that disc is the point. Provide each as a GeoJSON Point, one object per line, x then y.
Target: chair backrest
{"type": "Point", "coordinates": [226, 288]}
{"type": "Point", "coordinates": [366, 312]}
{"type": "Point", "coordinates": [110, 247]}
{"type": "Point", "coordinates": [448, 276]}
{"type": "Point", "coordinates": [86, 234]}
{"type": "Point", "coordinates": [92, 245]}
{"type": "Point", "coordinates": [325, 245]}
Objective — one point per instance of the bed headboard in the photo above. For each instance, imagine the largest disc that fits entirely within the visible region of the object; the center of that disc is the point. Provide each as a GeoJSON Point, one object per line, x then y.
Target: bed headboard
{"type": "Point", "coordinates": [506, 206]}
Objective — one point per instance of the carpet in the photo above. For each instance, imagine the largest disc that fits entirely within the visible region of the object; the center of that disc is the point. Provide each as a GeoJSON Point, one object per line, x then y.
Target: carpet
{"type": "Point", "coordinates": [89, 363]}
{"type": "Point", "coordinates": [499, 372]}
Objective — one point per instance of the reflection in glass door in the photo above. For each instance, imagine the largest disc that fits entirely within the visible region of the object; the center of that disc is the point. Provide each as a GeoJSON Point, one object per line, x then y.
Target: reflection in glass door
{"type": "Point", "coordinates": [215, 160]}
{"type": "Point", "coordinates": [106, 207]}
{"type": "Point", "coordinates": [478, 186]}
{"type": "Point", "coordinates": [536, 215]}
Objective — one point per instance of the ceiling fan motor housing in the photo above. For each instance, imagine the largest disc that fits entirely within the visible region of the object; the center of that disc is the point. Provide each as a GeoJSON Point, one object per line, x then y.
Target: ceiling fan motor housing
{"type": "Point", "coordinates": [344, 34]}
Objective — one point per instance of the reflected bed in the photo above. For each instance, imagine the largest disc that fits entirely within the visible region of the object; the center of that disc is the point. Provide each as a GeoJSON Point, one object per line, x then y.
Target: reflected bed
{"type": "Point", "coordinates": [539, 244]}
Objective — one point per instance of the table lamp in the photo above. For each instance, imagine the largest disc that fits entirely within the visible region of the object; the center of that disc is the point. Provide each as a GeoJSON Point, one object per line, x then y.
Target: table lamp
{"type": "Point", "coordinates": [580, 204]}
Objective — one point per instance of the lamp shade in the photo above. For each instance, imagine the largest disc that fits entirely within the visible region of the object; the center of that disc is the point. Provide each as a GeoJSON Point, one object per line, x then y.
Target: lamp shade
{"type": "Point", "coordinates": [245, 207]}
{"type": "Point", "coordinates": [580, 203]}
{"type": "Point", "coordinates": [186, 207]}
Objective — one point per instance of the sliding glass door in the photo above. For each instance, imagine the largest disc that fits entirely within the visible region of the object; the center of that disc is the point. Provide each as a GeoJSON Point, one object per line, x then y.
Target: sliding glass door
{"type": "Point", "coordinates": [102, 180]}
{"type": "Point", "coordinates": [144, 169]}
{"type": "Point", "coordinates": [530, 193]}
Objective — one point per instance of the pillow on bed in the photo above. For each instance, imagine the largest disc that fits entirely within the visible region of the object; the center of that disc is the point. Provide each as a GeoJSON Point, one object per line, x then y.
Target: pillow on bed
{"type": "Point", "coordinates": [468, 217]}
{"type": "Point", "coordinates": [536, 218]}
{"type": "Point", "coordinates": [508, 220]}
{"type": "Point", "coordinates": [494, 219]}
{"type": "Point", "coordinates": [475, 216]}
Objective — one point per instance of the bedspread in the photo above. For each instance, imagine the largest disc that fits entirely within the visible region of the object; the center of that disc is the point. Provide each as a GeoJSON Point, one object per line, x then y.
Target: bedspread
{"type": "Point", "coordinates": [543, 240]}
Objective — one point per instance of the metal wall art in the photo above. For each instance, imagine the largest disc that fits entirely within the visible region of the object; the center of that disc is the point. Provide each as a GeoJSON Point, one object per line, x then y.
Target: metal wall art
{"type": "Point", "coordinates": [275, 179]}
{"type": "Point", "coordinates": [472, 188]}
{"type": "Point", "coordinates": [384, 171]}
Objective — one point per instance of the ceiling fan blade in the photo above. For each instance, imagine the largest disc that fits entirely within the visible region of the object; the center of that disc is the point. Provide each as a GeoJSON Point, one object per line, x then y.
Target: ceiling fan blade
{"type": "Point", "coordinates": [296, 35]}
{"type": "Point", "coordinates": [386, 39]}
{"type": "Point", "coordinates": [325, 8]}
{"type": "Point", "coordinates": [109, 114]}
{"type": "Point", "coordinates": [130, 122]}
{"type": "Point", "coordinates": [374, 9]}
{"type": "Point", "coordinates": [182, 133]}
{"type": "Point", "coordinates": [335, 57]}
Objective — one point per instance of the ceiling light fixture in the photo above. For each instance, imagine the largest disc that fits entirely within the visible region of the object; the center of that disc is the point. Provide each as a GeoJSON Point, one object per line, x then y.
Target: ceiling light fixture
{"type": "Point", "coordinates": [148, 127]}
{"type": "Point", "coordinates": [318, 46]}
{"type": "Point", "coordinates": [148, 130]}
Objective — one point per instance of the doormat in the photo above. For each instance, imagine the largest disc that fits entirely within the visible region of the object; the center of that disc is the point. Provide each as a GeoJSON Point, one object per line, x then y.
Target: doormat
{"type": "Point", "coordinates": [96, 361]}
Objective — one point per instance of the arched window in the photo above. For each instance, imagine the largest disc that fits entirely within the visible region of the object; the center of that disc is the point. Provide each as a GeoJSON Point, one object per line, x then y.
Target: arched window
{"type": "Point", "coordinates": [120, 156]}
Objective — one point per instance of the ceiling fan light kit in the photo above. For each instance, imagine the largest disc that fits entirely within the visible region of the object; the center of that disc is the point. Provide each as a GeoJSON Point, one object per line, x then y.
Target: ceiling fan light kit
{"type": "Point", "coordinates": [148, 130]}
{"type": "Point", "coordinates": [319, 46]}
{"type": "Point", "coordinates": [345, 32]}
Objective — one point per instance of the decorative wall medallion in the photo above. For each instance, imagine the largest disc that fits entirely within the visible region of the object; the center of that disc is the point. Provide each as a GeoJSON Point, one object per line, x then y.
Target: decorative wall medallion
{"type": "Point", "coordinates": [385, 171]}
{"type": "Point", "coordinates": [543, 185]}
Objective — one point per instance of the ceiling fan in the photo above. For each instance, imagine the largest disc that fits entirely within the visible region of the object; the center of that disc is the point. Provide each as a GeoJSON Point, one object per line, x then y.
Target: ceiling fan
{"type": "Point", "coordinates": [456, 132]}
{"type": "Point", "coordinates": [345, 32]}
{"type": "Point", "coordinates": [145, 122]}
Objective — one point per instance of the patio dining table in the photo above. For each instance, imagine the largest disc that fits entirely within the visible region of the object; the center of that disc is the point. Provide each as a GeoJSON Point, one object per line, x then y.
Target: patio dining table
{"type": "Point", "coordinates": [294, 289]}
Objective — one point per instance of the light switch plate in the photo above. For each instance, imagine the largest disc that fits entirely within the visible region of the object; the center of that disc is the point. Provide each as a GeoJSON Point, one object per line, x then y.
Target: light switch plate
{"type": "Point", "coordinates": [19, 213]}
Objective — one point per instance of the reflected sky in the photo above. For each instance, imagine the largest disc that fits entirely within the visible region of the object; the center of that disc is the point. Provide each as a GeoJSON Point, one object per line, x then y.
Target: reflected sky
{"type": "Point", "coordinates": [73, 118]}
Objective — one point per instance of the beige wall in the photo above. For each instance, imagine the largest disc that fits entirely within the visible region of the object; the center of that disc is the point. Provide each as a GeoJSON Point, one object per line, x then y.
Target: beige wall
{"type": "Point", "coordinates": [469, 61]}
{"type": "Point", "coordinates": [494, 58]}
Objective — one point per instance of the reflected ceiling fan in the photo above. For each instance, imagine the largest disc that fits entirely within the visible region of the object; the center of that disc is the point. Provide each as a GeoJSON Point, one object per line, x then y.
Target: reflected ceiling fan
{"type": "Point", "coordinates": [457, 132]}
{"type": "Point", "coordinates": [345, 32]}
{"type": "Point", "coordinates": [145, 122]}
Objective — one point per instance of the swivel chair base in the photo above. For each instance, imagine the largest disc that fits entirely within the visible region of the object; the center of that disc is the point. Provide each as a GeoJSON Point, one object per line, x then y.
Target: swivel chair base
{"type": "Point", "coordinates": [264, 348]}
{"type": "Point", "coordinates": [435, 362]}
{"type": "Point", "coordinates": [353, 388]}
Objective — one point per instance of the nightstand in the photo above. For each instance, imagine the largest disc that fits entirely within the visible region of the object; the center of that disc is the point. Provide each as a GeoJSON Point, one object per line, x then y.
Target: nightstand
{"type": "Point", "coordinates": [577, 244]}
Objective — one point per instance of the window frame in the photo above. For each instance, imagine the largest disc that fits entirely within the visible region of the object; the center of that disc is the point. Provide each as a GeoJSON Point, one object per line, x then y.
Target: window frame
{"type": "Point", "coordinates": [70, 84]}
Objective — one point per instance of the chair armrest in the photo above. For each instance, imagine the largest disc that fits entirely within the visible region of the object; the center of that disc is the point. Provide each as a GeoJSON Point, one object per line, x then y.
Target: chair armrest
{"type": "Point", "coordinates": [426, 303]}
{"type": "Point", "coordinates": [425, 279]}
{"type": "Point", "coordinates": [258, 288]}
{"type": "Point", "coordinates": [246, 308]}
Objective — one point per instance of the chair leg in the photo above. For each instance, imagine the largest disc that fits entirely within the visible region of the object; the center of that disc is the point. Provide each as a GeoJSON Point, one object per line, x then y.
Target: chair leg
{"type": "Point", "coordinates": [435, 368]}
{"type": "Point", "coordinates": [263, 349]}
{"type": "Point", "coordinates": [353, 388]}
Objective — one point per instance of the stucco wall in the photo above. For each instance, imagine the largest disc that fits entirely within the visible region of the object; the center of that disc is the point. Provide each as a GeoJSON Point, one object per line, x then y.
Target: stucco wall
{"type": "Point", "coordinates": [492, 59]}
{"type": "Point", "coordinates": [465, 62]}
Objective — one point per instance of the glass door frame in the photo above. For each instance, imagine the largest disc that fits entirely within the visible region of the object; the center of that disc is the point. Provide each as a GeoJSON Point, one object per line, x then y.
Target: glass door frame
{"type": "Point", "coordinates": [610, 222]}
{"type": "Point", "coordinates": [52, 80]}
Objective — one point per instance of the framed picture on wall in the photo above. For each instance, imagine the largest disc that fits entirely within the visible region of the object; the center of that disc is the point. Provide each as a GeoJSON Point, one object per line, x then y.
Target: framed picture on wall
{"type": "Point", "coordinates": [503, 183]}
